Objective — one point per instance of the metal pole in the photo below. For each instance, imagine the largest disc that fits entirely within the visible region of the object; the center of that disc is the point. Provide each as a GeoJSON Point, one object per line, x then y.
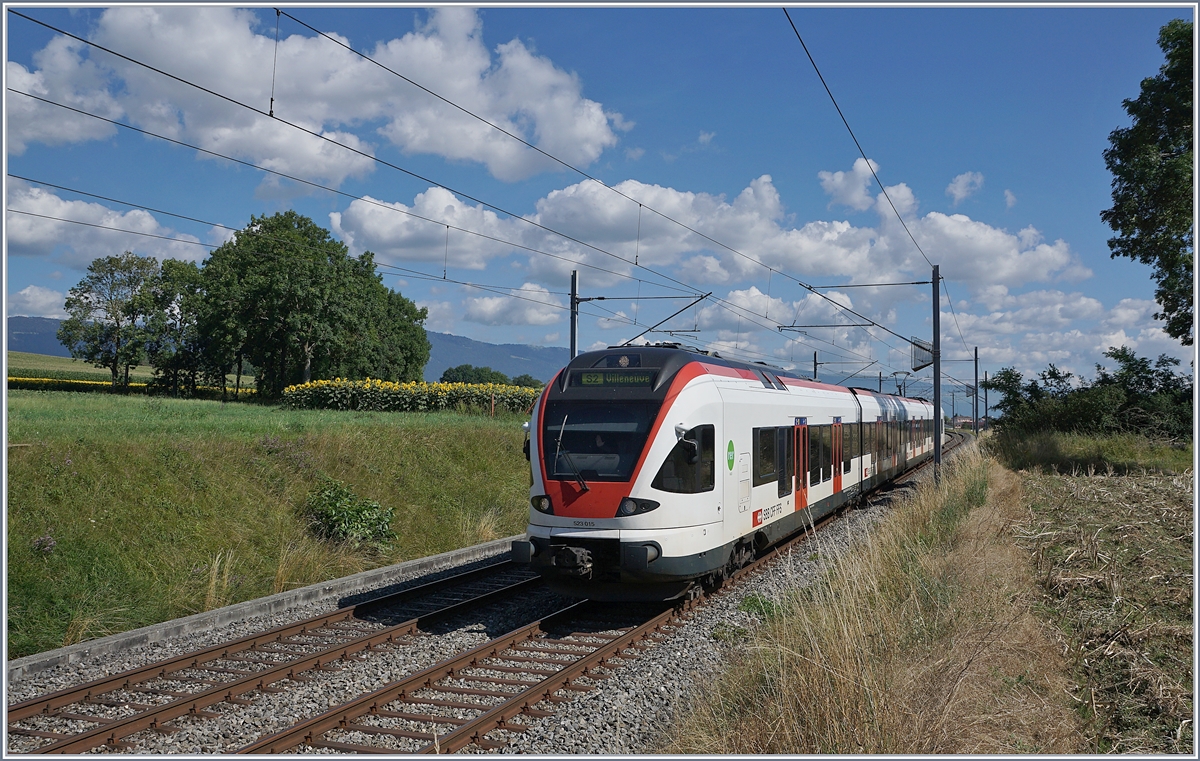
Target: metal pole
{"type": "Point", "coordinates": [574, 313]}
{"type": "Point", "coordinates": [937, 377]}
{"type": "Point", "coordinates": [985, 399]}
{"type": "Point", "coordinates": [975, 400]}
{"type": "Point", "coordinates": [881, 381]}
{"type": "Point", "coordinates": [814, 365]}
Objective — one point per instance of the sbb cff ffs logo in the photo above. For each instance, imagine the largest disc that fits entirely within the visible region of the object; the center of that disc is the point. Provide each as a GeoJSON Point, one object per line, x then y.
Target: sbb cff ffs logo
{"type": "Point", "coordinates": [767, 513]}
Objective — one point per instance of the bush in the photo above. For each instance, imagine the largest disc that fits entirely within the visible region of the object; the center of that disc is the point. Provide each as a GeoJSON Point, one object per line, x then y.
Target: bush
{"type": "Point", "coordinates": [473, 374]}
{"type": "Point", "coordinates": [335, 512]}
{"type": "Point", "coordinates": [106, 387]}
{"type": "Point", "coordinates": [386, 396]}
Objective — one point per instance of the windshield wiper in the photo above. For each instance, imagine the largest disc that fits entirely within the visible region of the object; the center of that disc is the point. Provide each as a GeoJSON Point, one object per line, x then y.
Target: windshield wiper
{"type": "Point", "coordinates": [561, 451]}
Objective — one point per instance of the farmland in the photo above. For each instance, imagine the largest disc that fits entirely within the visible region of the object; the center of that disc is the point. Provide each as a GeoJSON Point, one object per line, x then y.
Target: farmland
{"type": "Point", "coordinates": [24, 365]}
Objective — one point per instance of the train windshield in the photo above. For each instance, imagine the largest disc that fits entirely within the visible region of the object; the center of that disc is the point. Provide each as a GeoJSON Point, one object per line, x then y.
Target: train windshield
{"type": "Point", "coordinates": [595, 441]}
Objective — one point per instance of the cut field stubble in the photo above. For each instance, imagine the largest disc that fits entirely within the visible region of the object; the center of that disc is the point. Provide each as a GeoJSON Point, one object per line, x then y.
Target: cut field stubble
{"type": "Point", "coordinates": [917, 640]}
{"type": "Point", "coordinates": [1113, 559]}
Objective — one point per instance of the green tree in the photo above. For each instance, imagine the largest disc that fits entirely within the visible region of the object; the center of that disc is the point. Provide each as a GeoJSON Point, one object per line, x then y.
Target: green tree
{"type": "Point", "coordinates": [385, 338]}
{"type": "Point", "coordinates": [174, 343]}
{"type": "Point", "coordinates": [106, 322]}
{"type": "Point", "coordinates": [528, 381]}
{"type": "Point", "coordinates": [288, 298]}
{"type": "Point", "coordinates": [222, 317]}
{"type": "Point", "coordinates": [473, 374]}
{"type": "Point", "coordinates": [1151, 164]}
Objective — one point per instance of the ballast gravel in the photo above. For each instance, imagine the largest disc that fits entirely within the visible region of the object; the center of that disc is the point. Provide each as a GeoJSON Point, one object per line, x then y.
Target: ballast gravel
{"type": "Point", "coordinates": [629, 713]}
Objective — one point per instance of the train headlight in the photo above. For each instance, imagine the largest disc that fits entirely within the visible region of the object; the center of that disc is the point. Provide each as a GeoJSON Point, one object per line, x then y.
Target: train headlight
{"type": "Point", "coordinates": [542, 504]}
{"type": "Point", "coordinates": [630, 506]}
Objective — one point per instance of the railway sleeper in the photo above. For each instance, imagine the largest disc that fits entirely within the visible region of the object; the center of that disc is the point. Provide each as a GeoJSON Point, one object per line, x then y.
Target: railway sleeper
{"type": "Point", "coordinates": [428, 718]}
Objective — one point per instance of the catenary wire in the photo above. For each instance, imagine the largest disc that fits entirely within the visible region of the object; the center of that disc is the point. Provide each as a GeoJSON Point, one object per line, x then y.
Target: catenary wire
{"type": "Point", "coordinates": [853, 137]}
{"type": "Point", "coordinates": [452, 190]}
{"type": "Point", "coordinates": [589, 177]}
{"type": "Point", "coordinates": [343, 193]}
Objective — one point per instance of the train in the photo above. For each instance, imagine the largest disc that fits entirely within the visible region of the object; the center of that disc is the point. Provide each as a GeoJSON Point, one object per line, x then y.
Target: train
{"type": "Point", "coordinates": [656, 471]}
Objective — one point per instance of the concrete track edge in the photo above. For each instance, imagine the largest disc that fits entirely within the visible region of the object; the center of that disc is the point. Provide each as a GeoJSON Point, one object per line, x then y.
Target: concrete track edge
{"type": "Point", "coordinates": [212, 619]}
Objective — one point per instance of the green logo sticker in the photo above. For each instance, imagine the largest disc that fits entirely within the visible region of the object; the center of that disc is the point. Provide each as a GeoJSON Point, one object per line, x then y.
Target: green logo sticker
{"type": "Point", "coordinates": [729, 456]}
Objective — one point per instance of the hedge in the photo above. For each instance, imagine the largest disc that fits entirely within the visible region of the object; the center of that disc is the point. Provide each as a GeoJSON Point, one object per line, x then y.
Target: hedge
{"type": "Point", "coordinates": [60, 384]}
{"type": "Point", "coordinates": [106, 387]}
{"type": "Point", "coordinates": [387, 396]}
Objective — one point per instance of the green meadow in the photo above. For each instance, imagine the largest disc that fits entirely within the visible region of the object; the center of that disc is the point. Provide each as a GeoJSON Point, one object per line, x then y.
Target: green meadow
{"type": "Point", "coordinates": [125, 511]}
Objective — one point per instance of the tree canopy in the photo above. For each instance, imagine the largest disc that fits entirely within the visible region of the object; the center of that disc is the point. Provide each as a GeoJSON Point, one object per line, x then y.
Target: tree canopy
{"type": "Point", "coordinates": [105, 326]}
{"type": "Point", "coordinates": [290, 299]}
{"type": "Point", "coordinates": [1151, 164]}
{"type": "Point", "coordinates": [1136, 397]}
{"type": "Point", "coordinates": [473, 374]}
{"type": "Point", "coordinates": [282, 297]}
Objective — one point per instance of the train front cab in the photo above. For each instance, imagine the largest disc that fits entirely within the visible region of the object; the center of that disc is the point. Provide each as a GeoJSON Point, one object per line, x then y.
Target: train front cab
{"type": "Point", "coordinates": [623, 454]}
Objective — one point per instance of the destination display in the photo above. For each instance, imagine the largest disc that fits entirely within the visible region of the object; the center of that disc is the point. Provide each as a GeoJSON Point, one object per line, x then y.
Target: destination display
{"type": "Point", "coordinates": [613, 378]}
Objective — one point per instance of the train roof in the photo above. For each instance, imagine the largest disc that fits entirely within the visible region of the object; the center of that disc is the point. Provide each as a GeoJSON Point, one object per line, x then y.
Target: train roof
{"type": "Point", "coordinates": [666, 359]}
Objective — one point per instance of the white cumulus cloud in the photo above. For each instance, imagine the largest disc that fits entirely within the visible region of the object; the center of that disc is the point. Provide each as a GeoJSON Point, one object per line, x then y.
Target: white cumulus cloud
{"type": "Point", "coordinates": [36, 301]}
{"type": "Point", "coordinates": [531, 304]}
{"type": "Point", "coordinates": [319, 86]}
{"type": "Point", "coordinates": [850, 188]}
{"type": "Point", "coordinates": [964, 186]}
{"type": "Point", "coordinates": [34, 228]}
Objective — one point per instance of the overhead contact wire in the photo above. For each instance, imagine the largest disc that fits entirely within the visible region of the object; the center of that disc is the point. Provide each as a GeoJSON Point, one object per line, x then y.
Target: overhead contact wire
{"type": "Point", "coordinates": [585, 174]}
{"type": "Point", "coordinates": [319, 186]}
{"type": "Point", "coordinates": [356, 151]}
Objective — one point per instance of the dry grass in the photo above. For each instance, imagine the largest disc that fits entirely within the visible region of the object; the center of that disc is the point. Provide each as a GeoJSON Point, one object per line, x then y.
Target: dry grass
{"type": "Point", "coordinates": [1113, 559]}
{"type": "Point", "coordinates": [919, 640]}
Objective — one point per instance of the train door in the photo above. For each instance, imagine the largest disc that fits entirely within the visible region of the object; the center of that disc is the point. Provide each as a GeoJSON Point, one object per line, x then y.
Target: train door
{"type": "Point", "coordinates": [837, 455]}
{"type": "Point", "coordinates": [800, 435]}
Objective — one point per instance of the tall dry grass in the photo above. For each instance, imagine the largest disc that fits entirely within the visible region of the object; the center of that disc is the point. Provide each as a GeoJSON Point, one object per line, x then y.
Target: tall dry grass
{"type": "Point", "coordinates": [916, 640]}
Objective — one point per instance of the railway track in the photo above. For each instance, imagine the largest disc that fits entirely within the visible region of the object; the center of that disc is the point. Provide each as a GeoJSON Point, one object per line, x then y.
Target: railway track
{"type": "Point", "coordinates": [523, 674]}
{"type": "Point", "coordinates": [105, 711]}
{"type": "Point", "coordinates": [480, 696]}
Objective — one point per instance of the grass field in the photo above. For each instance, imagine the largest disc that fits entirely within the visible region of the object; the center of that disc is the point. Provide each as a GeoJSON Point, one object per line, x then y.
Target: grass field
{"type": "Point", "coordinates": [124, 511]}
{"type": "Point", "coordinates": [24, 365]}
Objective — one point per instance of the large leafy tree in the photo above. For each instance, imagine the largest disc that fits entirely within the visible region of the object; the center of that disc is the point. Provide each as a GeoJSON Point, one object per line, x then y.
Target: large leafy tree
{"type": "Point", "coordinates": [1151, 164]}
{"type": "Point", "coordinates": [384, 336]}
{"type": "Point", "coordinates": [174, 344]}
{"type": "Point", "coordinates": [107, 318]}
{"type": "Point", "coordinates": [287, 297]}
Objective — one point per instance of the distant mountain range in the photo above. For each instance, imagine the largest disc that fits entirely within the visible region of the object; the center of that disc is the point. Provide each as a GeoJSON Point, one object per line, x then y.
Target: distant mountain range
{"type": "Point", "coordinates": [36, 335]}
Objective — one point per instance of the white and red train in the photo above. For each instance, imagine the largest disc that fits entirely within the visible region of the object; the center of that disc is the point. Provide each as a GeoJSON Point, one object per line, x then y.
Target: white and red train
{"type": "Point", "coordinates": [657, 468]}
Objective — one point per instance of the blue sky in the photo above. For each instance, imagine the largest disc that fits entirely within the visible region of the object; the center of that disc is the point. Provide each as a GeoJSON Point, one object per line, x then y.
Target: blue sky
{"type": "Point", "coordinates": [985, 124]}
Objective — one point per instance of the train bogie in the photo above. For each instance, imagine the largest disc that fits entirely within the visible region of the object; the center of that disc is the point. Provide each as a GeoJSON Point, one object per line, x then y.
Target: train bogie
{"type": "Point", "coordinates": [657, 468]}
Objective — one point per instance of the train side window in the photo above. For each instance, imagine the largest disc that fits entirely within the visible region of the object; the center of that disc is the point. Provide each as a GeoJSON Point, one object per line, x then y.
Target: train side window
{"type": "Point", "coordinates": [783, 456]}
{"type": "Point", "coordinates": [814, 455]}
{"type": "Point", "coordinates": [847, 446]}
{"type": "Point", "coordinates": [764, 456]}
{"type": "Point", "coordinates": [826, 452]}
{"type": "Point", "coordinates": [679, 474]}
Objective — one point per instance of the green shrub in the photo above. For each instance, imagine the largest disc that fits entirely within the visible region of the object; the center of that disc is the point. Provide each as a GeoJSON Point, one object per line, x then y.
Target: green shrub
{"type": "Point", "coordinates": [335, 512]}
{"type": "Point", "coordinates": [386, 396]}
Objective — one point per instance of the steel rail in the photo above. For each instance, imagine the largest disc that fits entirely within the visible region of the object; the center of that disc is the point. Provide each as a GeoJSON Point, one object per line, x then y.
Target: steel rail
{"type": "Point", "coordinates": [466, 732]}
{"type": "Point", "coordinates": [111, 731]}
{"type": "Point", "coordinates": [491, 718]}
